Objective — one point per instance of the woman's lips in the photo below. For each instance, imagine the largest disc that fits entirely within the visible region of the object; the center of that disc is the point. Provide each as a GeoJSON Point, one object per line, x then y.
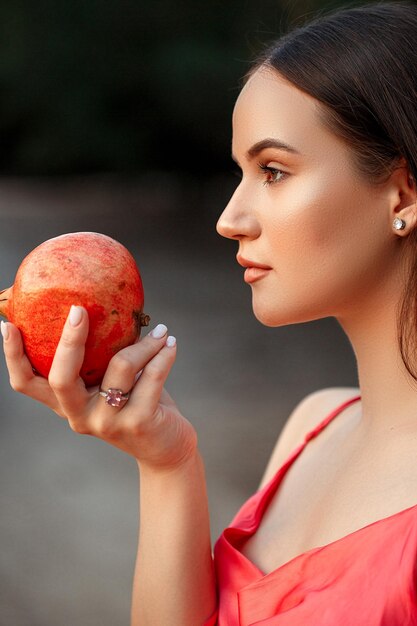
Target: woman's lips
{"type": "Point", "coordinates": [254, 271]}
{"type": "Point", "coordinates": [252, 274]}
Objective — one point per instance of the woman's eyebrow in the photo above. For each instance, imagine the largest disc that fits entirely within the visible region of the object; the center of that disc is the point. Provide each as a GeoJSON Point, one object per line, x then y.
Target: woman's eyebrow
{"type": "Point", "coordinates": [267, 143]}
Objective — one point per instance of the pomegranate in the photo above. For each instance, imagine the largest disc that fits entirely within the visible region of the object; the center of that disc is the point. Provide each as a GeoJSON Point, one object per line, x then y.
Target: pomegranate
{"type": "Point", "coordinates": [88, 269]}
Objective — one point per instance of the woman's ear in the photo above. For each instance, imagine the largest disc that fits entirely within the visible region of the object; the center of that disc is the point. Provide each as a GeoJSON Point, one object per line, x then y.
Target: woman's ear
{"type": "Point", "coordinates": [404, 199]}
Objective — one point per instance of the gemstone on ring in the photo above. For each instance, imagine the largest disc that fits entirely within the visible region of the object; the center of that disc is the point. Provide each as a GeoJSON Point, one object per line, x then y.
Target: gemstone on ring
{"type": "Point", "coordinates": [114, 397]}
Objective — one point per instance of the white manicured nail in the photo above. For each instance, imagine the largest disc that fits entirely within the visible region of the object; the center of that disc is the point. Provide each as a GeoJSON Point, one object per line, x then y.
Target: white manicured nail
{"type": "Point", "coordinates": [159, 331]}
{"type": "Point", "coordinates": [171, 341]}
{"type": "Point", "coordinates": [4, 330]}
{"type": "Point", "coordinates": [75, 315]}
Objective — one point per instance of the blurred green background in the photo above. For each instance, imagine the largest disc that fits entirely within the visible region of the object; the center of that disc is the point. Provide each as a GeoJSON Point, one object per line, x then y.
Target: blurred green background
{"type": "Point", "coordinates": [125, 85]}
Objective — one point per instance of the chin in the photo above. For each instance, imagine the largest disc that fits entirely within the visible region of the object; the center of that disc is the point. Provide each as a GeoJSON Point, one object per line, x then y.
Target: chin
{"type": "Point", "coordinates": [269, 317]}
{"type": "Point", "coordinates": [273, 316]}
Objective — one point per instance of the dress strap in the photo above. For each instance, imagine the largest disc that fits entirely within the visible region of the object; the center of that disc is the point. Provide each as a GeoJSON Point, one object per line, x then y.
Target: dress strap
{"type": "Point", "coordinates": [257, 505]}
{"type": "Point", "coordinates": [329, 417]}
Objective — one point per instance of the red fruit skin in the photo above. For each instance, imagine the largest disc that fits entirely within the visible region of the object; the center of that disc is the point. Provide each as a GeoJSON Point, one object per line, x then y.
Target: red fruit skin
{"type": "Point", "coordinates": [88, 269]}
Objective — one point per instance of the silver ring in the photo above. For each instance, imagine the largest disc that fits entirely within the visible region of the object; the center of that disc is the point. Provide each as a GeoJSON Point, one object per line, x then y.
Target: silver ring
{"type": "Point", "coordinates": [114, 397]}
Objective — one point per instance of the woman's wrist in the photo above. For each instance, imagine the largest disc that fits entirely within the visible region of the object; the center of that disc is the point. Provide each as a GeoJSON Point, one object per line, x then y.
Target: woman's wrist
{"type": "Point", "coordinates": [182, 464]}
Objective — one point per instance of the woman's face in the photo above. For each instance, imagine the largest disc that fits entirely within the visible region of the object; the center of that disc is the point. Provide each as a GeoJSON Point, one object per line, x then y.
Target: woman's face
{"type": "Point", "coordinates": [302, 210]}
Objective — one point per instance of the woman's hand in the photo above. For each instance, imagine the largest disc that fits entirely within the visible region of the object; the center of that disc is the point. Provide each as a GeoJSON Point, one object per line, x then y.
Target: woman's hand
{"type": "Point", "coordinates": [149, 426]}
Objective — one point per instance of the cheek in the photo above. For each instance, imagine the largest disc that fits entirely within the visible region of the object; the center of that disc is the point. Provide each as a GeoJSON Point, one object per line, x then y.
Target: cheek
{"type": "Point", "coordinates": [319, 241]}
{"type": "Point", "coordinates": [311, 222]}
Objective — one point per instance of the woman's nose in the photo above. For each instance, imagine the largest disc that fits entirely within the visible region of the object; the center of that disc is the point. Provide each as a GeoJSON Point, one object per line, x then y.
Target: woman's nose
{"type": "Point", "coordinates": [237, 220]}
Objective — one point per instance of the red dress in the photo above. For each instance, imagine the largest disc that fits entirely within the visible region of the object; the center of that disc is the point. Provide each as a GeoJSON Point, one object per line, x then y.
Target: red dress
{"type": "Point", "coordinates": [367, 578]}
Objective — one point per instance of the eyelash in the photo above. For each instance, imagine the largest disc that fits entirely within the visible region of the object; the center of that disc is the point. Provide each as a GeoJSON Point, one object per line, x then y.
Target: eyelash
{"type": "Point", "coordinates": [266, 170]}
{"type": "Point", "coordinates": [273, 171]}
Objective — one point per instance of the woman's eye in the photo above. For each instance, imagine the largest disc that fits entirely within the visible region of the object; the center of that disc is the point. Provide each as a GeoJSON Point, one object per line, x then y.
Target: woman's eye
{"type": "Point", "coordinates": [272, 174]}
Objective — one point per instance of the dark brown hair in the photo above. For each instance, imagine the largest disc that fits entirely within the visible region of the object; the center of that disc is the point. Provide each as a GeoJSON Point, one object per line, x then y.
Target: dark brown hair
{"type": "Point", "coordinates": [361, 65]}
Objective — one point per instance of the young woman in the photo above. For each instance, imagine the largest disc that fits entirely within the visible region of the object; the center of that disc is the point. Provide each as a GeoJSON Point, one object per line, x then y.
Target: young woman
{"type": "Point", "coordinates": [325, 133]}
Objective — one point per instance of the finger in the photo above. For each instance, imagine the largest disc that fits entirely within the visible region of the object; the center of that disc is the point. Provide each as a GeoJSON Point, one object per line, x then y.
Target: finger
{"type": "Point", "coordinates": [148, 391]}
{"type": "Point", "coordinates": [124, 367]}
{"type": "Point", "coordinates": [64, 377]}
{"type": "Point", "coordinates": [22, 377]}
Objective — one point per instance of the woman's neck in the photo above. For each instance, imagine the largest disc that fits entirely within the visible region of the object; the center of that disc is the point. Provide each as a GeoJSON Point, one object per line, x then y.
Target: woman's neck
{"type": "Point", "coordinates": [389, 393]}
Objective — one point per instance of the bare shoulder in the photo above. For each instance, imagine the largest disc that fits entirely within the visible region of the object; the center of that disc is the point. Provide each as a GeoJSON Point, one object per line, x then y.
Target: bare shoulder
{"type": "Point", "coordinates": [309, 412]}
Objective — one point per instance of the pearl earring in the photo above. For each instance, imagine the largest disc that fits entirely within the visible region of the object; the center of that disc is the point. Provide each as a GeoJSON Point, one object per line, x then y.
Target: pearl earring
{"type": "Point", "coordinates": [398, 223]}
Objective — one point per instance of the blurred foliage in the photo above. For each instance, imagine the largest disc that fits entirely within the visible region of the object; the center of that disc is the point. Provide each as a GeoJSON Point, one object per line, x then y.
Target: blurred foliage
{"type": "Point", "coordinates": [123, 85]}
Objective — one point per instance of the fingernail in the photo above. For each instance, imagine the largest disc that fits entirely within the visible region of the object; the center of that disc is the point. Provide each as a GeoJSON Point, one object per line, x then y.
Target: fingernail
{"type": "Point", "coordinates": [75, 315]}
{"type": "Point", "coordinates": [159, 331]}
{"type": "Point", "coordinates": [171, 341]}
{"type": "Point", "coordinates": [4, 330]}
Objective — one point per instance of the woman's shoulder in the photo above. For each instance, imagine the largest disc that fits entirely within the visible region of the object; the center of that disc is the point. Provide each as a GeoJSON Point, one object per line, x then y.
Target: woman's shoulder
{"type": "Point", "coordinates": [306, 415]}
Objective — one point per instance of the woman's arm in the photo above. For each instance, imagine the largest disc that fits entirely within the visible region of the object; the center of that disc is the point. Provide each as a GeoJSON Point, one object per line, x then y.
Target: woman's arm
{"type": "Point", "coordinates": [174, 578]}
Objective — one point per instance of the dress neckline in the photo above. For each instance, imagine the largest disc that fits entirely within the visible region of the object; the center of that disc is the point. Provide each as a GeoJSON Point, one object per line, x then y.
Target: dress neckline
{"type": "Point", "coordinates": [266, 494]}
{"type": "Point", "coordinates": [329, 545]}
